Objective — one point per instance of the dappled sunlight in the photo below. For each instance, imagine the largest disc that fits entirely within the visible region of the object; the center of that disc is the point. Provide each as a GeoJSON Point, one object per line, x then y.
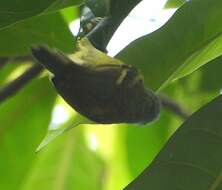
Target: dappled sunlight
{"type": "Point", "coordinates": [61, 113]}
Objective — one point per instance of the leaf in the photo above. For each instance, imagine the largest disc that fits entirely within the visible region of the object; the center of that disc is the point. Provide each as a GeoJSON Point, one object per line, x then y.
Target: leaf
{"type": "Point", "coordinates": [53, 133]}
{"type": "Point", "coordinates": [174, 3]}
{"type": "Point", "coordinates": [49, 29]}
{"type": "Point", "coordinates": [70, 14]}
{"type": "Point", "coordinates": [23, 122]}
{"type": "Point", "coordinates": [14, 11]}
{"type": "Point", "coordinates": [5, 71]}
{"type": "Point", "coordinates": [60, 4]}
{"type": "Point", "coordinates": [211, 76]}
{"type": "Point", "coordinates": [192, 157]}
{"type": "Point", "coordinates": [143, 143]}
{"type": "Point", "coordinates": [100, 8]}
{"type": "Point", "coordinates": [191, 38]}
{"type": "Point", "coordinates": [122, 8]}
{"type": "Point", "coordinates": [134, 147]}
{"type": "Point", "coordinates": [66, 164]}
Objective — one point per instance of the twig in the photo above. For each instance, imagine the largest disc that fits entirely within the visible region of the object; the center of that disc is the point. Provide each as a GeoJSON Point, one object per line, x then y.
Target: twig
{"type": "Point", "coordinates": [174, 107]}
{"type": "Point", "coordinates": [14, 86]}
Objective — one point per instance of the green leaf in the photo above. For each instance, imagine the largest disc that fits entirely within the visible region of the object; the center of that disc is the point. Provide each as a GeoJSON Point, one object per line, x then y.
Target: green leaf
{"type": "Point", "coordinates": [144, 143]}
{"type": "Point", "coordinates": [191, 38]}
{"type": "Point", "coordinates": [61, 4]}
{"type": "Point", "coordinates": [6, 70]}
{"type": "Point", "coordinates": [53, 133]}
{"type": "Point", "coordinates": [14, 11]}
{"type": "Point", "coordinates": [48, 29]}
{"type": "Point", "coordinates": [70, 14]}
{"type": "Point", "coordinates": [192, 157]}
{"type": "Point", "coordinates": [67, 163]}
{"type": "Point", "coordinates": [134, 148]}
{"type": "Point", "coordinates": [174, 4]}
{"type": "Point", "coordinates": [211, 76]}
{"type": "Point", "coordinates": [100, 8]}
{"type": "Point", "coordinates": [23, 123]}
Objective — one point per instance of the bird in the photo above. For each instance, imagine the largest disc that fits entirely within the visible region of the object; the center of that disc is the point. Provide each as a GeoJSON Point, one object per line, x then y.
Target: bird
{"type": "Point", "coordinates": [99, 87]}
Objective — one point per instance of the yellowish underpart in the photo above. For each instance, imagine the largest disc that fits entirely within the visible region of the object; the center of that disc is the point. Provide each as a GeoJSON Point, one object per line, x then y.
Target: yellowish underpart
{"type": "Point", "coordinates": [87, 54]}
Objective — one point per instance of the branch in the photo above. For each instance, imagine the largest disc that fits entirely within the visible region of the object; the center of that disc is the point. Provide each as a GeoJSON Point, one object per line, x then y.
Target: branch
{"type": "Point", "coordinates": [173, 106]}
{"type": "Point", "coordinates": [14, 86]}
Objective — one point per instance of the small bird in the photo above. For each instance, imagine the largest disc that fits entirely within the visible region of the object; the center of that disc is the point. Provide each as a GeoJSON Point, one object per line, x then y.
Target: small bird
{"type": "Point", "coordinates": [99, 87]}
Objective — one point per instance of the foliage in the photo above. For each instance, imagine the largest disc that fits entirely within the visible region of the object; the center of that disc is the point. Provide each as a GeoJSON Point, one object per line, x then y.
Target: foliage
{"type": "Point", "coordinates": [174, 3]}
{"type": "Point", "coordinates": [182, 60]}
{"type": "Point", "coordinates": [183, 164]}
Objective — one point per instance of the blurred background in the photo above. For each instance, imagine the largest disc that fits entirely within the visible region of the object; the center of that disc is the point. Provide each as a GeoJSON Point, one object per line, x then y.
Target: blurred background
{"type": "Point", "coordinates": [95, 157]}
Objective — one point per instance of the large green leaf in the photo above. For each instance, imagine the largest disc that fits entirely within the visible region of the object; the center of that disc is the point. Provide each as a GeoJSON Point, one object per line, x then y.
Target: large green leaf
{"type": "Point", "coordinates": [143, 143]}
{"type": "Point", "coordinates": [23, 123]}
{"type": "Point", "coordinates": [66, 164]}
{"type": "Point", "coordinates": [191, 38]}
{"type": "Point", "coordinates": [48, 29]}
{"type": "Point", "coordinates": [13, 11]}
{"type": "Point", "coordinates": [70, 14]}
{"type": "Point", "coordinates": [134, 147]}
{"type": "Point", "coordinates": [174, 4]}
{"type": "Point", "coordinates": [211, 76]}
{"type": "Point", "coordinates": [192, 157]}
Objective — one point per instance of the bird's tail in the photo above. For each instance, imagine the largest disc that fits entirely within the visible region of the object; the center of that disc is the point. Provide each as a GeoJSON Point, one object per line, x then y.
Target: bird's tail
{"type": "Point", "coordinates": [51, 59]}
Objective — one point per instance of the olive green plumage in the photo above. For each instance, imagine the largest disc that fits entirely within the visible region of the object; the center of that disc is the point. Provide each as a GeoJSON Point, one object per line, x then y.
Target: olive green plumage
{"type": "Point", "coordinates": [98, 86]}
